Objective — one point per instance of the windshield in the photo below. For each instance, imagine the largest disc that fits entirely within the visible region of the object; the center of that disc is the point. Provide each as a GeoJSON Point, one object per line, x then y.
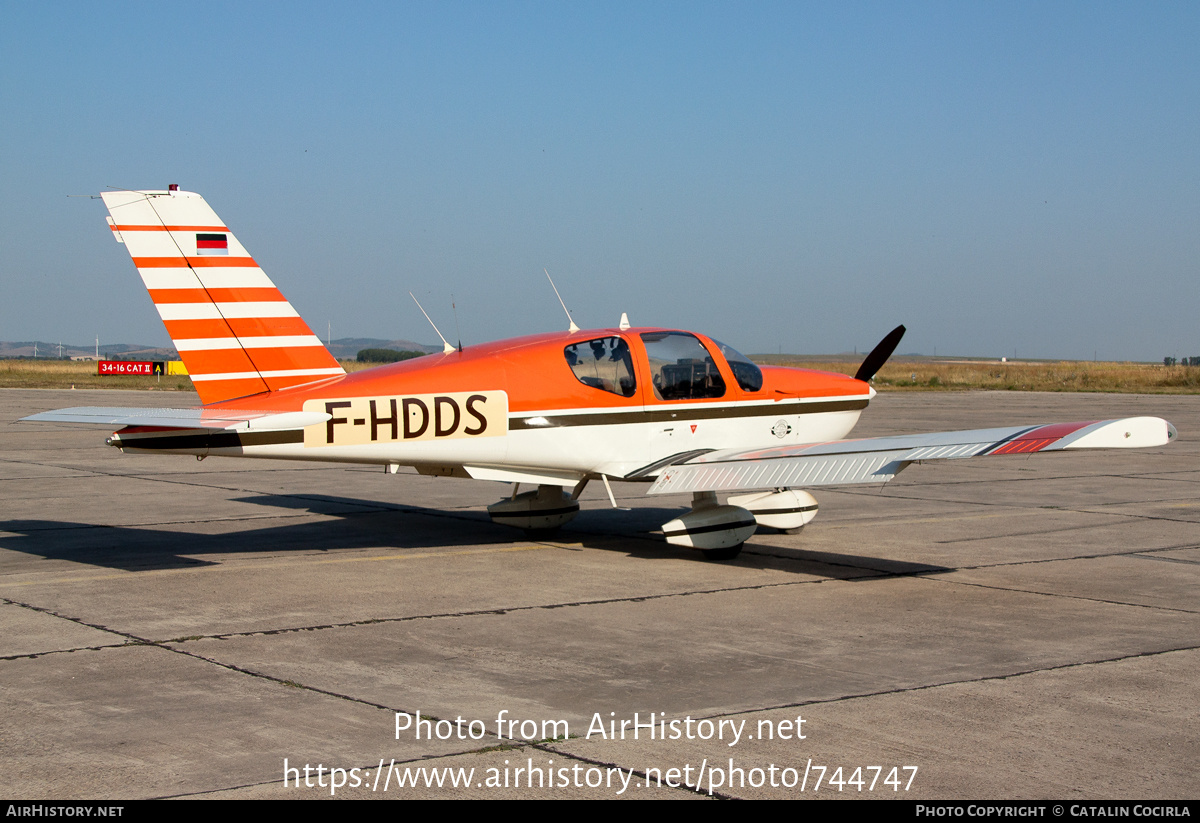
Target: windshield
{"type": "Point", "coordinates": [748, 375]}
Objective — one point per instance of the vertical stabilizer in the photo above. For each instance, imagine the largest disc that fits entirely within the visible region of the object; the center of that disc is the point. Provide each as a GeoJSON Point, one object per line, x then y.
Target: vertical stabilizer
{"type": "Point", "coordinates": [236, 333]}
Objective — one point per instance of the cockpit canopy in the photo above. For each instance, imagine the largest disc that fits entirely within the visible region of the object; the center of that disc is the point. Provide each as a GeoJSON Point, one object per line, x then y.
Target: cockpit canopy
{"type": "Point", "coordinates": [680, 365]}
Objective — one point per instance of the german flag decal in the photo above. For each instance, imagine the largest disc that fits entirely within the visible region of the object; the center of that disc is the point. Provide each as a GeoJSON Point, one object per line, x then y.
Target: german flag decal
{"type": "Point", "coordinates": [212, 244]}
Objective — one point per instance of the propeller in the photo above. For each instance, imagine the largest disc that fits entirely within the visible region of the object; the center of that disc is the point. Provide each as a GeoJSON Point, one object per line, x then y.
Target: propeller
{"type": "Point", "coordinates": [879, 355]}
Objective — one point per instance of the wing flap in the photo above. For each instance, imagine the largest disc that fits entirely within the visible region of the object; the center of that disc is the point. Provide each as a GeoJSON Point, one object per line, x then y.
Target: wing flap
{"type": "Point", "coordinates": [879, 459]}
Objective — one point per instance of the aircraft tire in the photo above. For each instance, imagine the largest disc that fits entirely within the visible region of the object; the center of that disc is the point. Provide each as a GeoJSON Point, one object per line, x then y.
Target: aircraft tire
{"type": "Point", "coordinates": [542, 534]}
{"type": "Point", "coordinates": [727, 553]}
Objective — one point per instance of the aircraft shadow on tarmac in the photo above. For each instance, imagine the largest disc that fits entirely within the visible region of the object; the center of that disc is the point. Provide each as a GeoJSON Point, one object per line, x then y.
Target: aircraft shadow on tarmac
{"type": "Point", "coordinates": [366, 524]}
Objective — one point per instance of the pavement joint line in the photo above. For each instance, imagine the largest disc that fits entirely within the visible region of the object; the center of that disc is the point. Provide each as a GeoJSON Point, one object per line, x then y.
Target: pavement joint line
{"type": "Point", "coordinates": [1065, 596]}
{"type": "Point", "coordinates": [501, 611]}
{"type": "Point", "coordinates": [859, 522]}
{"type": "Point", "coordinates": [1131, 515]}
{"type": "Point", "coordinates": [940, 570]}
{"type": "Point", "coordinates": [408, 618]}
{"type": "Point", "coordinates": [131, 639]}
{"type": "Point", "coordinates": [498, 611]}
{"type": "Point", "coordinates": [1013, 504]}
{"type": "Point", "coordinates": [269, 677]}
{"type": "Point", "coordinates": [1019, 507]}
{"type": "Point", "coordinates": [72, 650]}
{"type": "Point", "coordinates": [1096, 556]}
{"type": "Point", "coordinates": [435, 616]}
{"type": "Point", "coordinates": [1168, 559]}
{"type": "Point", "coordinates": [961, 682]}
{"type": "Point", "coordinates": [1038, 532]}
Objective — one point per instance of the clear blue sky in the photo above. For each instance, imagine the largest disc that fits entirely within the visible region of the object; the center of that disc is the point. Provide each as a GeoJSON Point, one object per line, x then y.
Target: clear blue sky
{"type": "Point", "coordinates": [1000, 177]}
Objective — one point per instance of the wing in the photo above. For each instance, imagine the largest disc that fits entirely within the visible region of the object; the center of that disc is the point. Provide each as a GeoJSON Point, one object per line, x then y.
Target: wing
{"type": "Point", "coordinates": [193, 418]}
{"type": "Point", "coordinates": [879, 459]}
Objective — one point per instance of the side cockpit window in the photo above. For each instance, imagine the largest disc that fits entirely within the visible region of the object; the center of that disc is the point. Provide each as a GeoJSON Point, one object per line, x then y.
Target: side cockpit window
{"type": "Point", "coordinates": [748, 375]}
{"type": "Point", "coordinates": [603, 363]}
{"type": "Point", "coordinates": [681, 368]}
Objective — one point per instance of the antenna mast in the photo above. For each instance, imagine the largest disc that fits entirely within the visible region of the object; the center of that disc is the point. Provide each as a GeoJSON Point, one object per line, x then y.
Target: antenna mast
{"type": "Point", "coordinates": [446, 347]}
{"type": "Point", "coordinates": [572, 328]}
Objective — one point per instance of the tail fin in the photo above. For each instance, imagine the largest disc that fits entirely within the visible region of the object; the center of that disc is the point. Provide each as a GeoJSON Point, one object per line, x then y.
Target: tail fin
{"type": "Point", "coordinates": [236, 333]}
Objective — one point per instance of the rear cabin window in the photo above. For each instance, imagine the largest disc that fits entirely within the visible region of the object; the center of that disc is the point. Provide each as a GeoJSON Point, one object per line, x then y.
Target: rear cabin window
{"type": "Point", "coordinates": [603, 363]}
{"type": "Point", "coordinates": [681, 368]}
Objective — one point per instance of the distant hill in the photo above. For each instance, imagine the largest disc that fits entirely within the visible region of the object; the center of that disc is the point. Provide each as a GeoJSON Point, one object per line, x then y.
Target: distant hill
{"type": "Point", "coordinates": [347, 348]}
{"type": "Point", "coordinates": [24, 348]}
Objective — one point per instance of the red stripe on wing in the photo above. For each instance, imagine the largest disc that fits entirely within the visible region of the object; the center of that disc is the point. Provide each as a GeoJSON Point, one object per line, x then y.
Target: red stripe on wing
{"type": "Point", "coordinates": [1037, 439]}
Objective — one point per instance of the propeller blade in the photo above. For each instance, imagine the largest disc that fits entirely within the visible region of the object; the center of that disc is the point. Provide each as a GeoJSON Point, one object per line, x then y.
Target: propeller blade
{"type": "Point", "coordinates": [879, 354]}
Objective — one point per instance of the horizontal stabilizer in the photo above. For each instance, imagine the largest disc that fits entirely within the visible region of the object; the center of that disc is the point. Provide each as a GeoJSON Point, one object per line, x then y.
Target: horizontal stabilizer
{"type": "Point", "coordinates": [194, 418]}
{"type": "Point", "coordinates": [879, 459]}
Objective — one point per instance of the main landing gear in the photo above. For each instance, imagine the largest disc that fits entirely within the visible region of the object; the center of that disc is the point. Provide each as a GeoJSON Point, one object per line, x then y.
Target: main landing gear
{"type": "Point", "coordinates": [540, 513]}
{"type": "Point", "coordinates": [720, 531]}
{"type": "Point", "coordinates": [717, 530]}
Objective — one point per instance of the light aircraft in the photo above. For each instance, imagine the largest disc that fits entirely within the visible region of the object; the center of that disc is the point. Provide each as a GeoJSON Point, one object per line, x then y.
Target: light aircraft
{"type": "Point", "coordinates": [681, 411]}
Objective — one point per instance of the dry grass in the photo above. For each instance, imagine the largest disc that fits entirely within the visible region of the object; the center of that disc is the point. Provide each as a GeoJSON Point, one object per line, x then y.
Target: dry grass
{"type": "Point", "coordinates": [1074, 376]}
{"type": "Point", "coordinates": [65, 374]}
{"type": "Point", "coordinates": [931, 375]}
{"type": "Point", "coordinates": [354, 365]}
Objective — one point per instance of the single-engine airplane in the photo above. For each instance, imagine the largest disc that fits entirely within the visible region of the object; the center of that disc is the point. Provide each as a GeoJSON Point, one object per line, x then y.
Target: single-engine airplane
{"type": "Point", "coordinates": [678, 410]}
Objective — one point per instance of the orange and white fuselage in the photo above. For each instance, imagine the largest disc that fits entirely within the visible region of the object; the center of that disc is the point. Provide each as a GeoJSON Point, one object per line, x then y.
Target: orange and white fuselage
{"type": "Point", "coordinates": [514, 410]}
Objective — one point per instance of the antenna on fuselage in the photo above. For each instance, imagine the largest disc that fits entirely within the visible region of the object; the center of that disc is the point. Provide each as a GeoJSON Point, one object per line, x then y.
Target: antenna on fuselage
{"type": "Point", "coordinates": [446, 347]}
{"type": "Point", "coordinates": [457, 330]}
{"type": "Point", "coordinates": [572, 328]}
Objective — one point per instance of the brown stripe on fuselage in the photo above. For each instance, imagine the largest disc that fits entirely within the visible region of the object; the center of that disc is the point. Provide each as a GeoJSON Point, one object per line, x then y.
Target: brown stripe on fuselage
{"type": "Point", "coordinates": [667, 414]}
